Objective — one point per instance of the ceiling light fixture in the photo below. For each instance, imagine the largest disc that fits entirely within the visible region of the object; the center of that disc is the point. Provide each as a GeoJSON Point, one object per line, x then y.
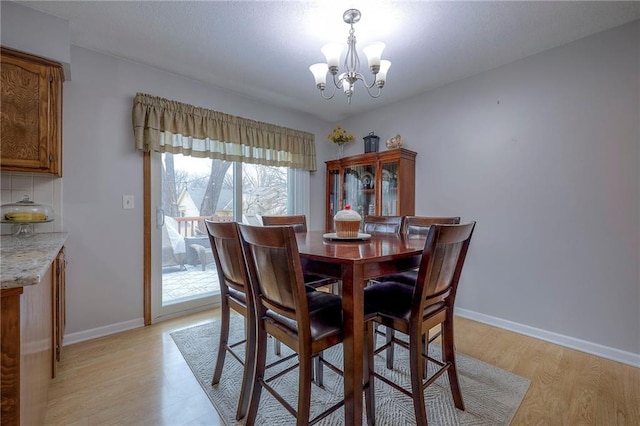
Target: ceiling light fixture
{"type": "Point", "coordinates": [347, 80]}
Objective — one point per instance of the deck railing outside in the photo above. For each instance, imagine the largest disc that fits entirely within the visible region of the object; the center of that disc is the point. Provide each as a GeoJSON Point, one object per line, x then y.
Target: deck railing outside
{"type": "Point", "coordinates": [188, 225]}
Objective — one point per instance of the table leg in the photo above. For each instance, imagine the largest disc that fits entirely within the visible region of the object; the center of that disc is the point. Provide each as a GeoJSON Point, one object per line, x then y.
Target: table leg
{"type": "Point", "coordinates": [353, 316]}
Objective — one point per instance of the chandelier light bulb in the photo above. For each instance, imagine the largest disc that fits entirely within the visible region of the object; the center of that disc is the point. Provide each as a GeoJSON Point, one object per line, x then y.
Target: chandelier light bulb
{"type": "Point", "coordinates": [332, 52]}
{"type": "Point", "coordinates": [319, 72]}
{"type": "Point", "coordinates": [373, 53]}
{"type": "Point", "coordinates": [381, 77]}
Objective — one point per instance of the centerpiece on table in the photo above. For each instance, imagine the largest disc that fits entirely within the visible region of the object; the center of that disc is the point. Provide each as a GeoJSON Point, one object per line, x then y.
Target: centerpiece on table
{"type": "Point", "coordinates": [340, 137]}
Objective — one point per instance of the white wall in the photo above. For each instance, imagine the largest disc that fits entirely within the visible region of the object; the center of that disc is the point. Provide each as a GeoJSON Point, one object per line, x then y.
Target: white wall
{"type": "Point", "coordinates": [104, 274]}
{"type": "Point", "coordinates": [35, 32]}
{"type": "Point", "coordinates": [544, 155]}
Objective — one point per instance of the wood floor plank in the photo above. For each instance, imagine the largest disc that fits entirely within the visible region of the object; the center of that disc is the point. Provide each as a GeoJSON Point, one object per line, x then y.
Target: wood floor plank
{"type": "Point", "coordinates": [139, 377]}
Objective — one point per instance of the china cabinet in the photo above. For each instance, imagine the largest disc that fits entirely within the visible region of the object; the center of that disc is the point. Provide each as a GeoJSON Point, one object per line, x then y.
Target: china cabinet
{"type": "Point", "coordinates": [375, 183]}
{"type": "Point", "coordinates": [31, 111]}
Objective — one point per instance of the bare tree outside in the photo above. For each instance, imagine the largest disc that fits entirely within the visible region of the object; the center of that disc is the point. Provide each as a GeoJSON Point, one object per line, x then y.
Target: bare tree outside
{"type": "Point", "coordinates": [174, 181]}
{"type": "Point", "coordinates": [169, 190]}
{"type": "Point", "coordinates": [264, 188]}
{"type": "Point", "coordinates": [209, 204]}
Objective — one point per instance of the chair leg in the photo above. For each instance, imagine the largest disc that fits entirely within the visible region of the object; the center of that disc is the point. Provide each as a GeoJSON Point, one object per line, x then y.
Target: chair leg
{"type": "Point", "coordinates": [276, 346]}
{"type": "Point", "coordinates": [369, 391]}
{"type": "Point", "coordinates": [249, 368]}
{"type": "Point", "coordinates": [389, 338]}
{"type": "Point", "coordinates": [258, 375]}
{"type": "Point", "coordinates": [222, 345]}
{"type": "Point", "coordinates": [304, 390]}
{"type": "Point", "coordinates": [319, 372]}
{"type": "Point", "coordinates": [449, 355]}
{"type": "Point", "coordinates": [425, 348]}
{"type": "Point", "coordinates": [415, 363]}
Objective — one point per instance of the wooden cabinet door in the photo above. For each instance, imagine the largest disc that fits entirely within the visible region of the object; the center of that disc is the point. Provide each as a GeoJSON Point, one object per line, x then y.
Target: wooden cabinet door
{"type": "Point", "coordinates": [30, 131]}
{"type": "Point", "coordinates": [59, 309]}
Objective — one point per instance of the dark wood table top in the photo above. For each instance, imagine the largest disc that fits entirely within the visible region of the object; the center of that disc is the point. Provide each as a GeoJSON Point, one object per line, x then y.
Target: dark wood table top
{"type": "Point", "coordinates": [380, 250]}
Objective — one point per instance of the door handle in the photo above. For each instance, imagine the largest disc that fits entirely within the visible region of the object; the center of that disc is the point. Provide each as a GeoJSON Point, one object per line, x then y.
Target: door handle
{"type": "Point", "coordinates": [159, 217]}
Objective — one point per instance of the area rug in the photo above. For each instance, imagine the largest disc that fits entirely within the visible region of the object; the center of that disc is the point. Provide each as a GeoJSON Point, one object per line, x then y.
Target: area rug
{"type": "Point", "coordinates": [491, 395]}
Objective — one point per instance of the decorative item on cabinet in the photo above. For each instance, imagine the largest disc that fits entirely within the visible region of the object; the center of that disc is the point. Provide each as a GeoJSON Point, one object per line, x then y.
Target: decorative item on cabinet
{"type": "Point", "coordinates": [395, 142]}
{"type": "Point", "coordinates": [371, 143]}
{"type": "Point", "coordinates": [340, 137]}
{"type": "Point", "coordinates": [31, 110]}
{"type": "Point", "coordinates": [368, 180]}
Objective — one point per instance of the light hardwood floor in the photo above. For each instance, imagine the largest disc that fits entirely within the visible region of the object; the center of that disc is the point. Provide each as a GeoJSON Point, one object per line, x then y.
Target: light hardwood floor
{"type": "Point", "coordinates": [140, 378]}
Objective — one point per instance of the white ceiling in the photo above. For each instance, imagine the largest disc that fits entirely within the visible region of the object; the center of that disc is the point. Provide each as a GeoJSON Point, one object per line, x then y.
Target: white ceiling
{"type": "Point", "coordinates": [262, 49]}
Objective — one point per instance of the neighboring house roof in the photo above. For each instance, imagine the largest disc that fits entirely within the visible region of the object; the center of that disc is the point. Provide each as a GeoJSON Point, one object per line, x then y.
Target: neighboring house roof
{"type": "Point", "coordinates": [196, 193]}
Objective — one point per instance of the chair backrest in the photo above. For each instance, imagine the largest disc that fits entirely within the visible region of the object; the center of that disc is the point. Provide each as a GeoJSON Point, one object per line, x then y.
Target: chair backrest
{"type": "Point", "coordinates": [443, 256]}
{"type": "Point", "coordinates": [227, 253]}
{"type": "Point", "coordinates": [299, 222]}
{"type": "Point", "coordinates": [275, 271]}
{"type": "Point", "coordinates": [382, 224]}
{"type": "Point", "coordinates": [418, 226]}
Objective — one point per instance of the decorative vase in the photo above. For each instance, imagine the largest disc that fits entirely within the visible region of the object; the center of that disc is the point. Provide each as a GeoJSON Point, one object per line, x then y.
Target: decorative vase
{"type": "Point", "coordinates": [340, 149]}
{"type": "Point", "coordinates": [395, 142]}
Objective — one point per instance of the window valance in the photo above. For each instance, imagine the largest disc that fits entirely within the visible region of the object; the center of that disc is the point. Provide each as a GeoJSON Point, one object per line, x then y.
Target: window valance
{"type": "Point", "coordinates": [164, 125]}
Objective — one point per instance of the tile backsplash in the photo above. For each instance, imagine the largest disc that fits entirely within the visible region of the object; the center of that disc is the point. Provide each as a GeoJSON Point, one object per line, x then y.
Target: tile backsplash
{"type": "Point", "coordinates": [41, 188]}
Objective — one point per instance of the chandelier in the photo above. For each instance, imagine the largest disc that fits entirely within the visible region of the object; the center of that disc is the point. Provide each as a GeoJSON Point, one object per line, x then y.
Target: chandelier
{"type": "Point", "coordinates": [347, 80]}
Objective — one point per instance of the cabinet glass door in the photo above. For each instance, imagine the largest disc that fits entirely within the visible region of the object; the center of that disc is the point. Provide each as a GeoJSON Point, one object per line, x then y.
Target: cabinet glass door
{"type": "Point", "coordinates": [359, 189]}
{"type": "Point", "coordinates": [334, 196]}
{"type": "Point", "coordinates": [389, 191]}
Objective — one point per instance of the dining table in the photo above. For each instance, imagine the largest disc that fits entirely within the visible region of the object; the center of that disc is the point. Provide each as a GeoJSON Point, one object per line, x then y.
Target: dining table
{"type": "Point", "coordinates": [355, 262]}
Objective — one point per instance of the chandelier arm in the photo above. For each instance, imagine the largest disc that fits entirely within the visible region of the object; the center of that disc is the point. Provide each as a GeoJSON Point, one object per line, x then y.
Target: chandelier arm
{"type": "Point", "coordinates": [371, 94]}
{"type": "Point", "coordinates": [362, 78]}
{"type": "Point", "coordinates": [333, 92]}
{"type": "Point", "coordinates": [337, 83]}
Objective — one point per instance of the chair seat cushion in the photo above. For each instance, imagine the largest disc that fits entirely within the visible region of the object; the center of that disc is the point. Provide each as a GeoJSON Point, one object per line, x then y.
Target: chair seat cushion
{"type": "Point", "coordinates": [237, 295]}
{"type": "Point", "coordinates": [405, 277]}
{"type": "Point", "coordinates": [325, 315]}
{"type": "Point", "coordinates": [392, 300]}
{"type": "Point", "coordinates": [389, 299]}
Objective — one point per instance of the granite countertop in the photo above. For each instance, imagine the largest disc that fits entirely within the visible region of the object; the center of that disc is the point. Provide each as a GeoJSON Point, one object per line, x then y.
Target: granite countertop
{"type": "Point", "coordinates": [24, 261]}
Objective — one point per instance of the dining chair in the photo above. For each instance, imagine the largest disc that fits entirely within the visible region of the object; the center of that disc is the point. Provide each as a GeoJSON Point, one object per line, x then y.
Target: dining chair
{"type": "Point", "coordinates": [315, 281]}
{"type": "Point", "coordinates": [417, 227]}
{"type": "Point", "coordinates": [298, 221]}
{"type": "Point", "coordinates": [233, 278]}
{"type": "Point", "coordinates": [413, 310]}
{"type": "Point", "coordinates": [413, 227]}
{"type": "Point", "coordinates": [382, 224]}
{"type": "Point", "coordinates": [376, 225]}
{"type": "Point", "coordinates": [299, 224]}
{"type": "Point", "coordinates": [306, 322]}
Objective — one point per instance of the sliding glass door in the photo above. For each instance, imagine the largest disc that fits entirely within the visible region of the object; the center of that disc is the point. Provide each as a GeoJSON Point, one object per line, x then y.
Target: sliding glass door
{"type": "Point", "coordinates": [185, 192]}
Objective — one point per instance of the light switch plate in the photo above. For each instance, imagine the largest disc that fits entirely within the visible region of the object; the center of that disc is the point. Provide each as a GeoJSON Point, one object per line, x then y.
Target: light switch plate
{"type": "Point", "coordinates": [127, 202]}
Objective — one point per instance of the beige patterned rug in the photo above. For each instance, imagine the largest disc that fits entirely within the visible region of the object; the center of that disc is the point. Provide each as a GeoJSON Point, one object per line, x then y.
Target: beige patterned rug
{"type": "Point", "coordinates": [491, 395]}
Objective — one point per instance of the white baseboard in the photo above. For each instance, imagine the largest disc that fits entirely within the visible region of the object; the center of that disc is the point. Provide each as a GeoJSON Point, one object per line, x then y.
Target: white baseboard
{"type": "Point", "coordinates": [613, 354]}
{"type": "Point", "coordinates": [94, 333]}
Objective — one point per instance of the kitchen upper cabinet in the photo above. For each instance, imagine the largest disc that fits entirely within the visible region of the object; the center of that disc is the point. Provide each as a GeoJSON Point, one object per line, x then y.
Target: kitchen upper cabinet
{"type": "Point", "coordinates": [372, 184]}
{"type": "Point", "coordinates": [31, 113]}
